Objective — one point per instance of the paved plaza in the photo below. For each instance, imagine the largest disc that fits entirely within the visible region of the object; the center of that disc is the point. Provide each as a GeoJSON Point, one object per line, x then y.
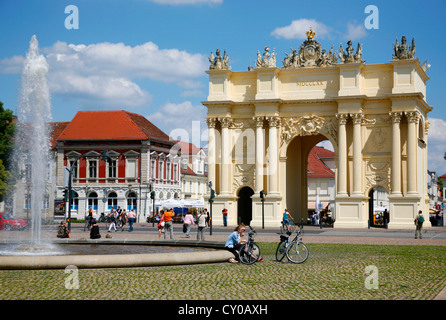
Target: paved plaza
{"type": "Point", "coordinates": [409, 269]}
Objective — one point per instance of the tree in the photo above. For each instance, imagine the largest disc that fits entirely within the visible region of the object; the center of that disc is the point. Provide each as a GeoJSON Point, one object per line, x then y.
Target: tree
{"type": "Point", "coordinates": [7, 129]}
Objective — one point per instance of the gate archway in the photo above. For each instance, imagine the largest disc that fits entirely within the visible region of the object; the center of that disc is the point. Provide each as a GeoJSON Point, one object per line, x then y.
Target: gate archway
{"type": "Point", "coordinates": [244, 205]}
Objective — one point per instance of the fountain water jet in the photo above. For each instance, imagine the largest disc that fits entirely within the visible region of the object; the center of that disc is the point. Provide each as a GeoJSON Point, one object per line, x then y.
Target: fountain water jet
{"type": "Point", "coordinates": [32, 145]}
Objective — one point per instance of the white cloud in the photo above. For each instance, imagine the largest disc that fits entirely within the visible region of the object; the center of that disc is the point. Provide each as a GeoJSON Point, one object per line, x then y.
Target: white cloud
{"type": "Point", "coordinates": [186, 2]}
{"type": "Point", "coordinates": [181, 119]}
{"type": "Point", "coordinates": [355, 31]}
{"type": "Point", "coordinates": [106, 73]}
{"type": "Point", "coordinates": [436, 145]}
{"type": "Point", "coordinates": [298, 28]}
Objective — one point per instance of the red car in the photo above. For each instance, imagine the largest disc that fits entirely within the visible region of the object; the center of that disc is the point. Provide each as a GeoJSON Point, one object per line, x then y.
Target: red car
{"type": "Point", "coordinates": [8, 222]}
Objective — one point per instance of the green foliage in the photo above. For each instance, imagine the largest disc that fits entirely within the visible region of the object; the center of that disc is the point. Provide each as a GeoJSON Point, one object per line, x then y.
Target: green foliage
{"type": "Point", "coordinates": [7, 129]}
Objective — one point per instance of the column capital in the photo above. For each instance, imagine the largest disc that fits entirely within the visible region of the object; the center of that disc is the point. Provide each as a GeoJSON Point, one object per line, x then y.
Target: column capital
{"type": "Point", "coordinates": [357, 117]}
{"type": "Point", "coordinates": [342, 117]}
{"type": "Point", "coordinates": [225, 122]}
{"type": "Point", "coordinates": [258, 120]}
{"type": "Point", "coordinates": [273, 121]}
{"type": "Point", "coordinates": [211, 122]}
{"type": "Point", "coordinates": [413, 116]}
{"type": "Point", "coordinates": [396, 116]}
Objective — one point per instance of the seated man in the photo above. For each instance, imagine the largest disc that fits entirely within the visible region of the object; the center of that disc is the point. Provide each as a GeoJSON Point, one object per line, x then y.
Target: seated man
{"type": "Point", "coordinates": [62, 230]}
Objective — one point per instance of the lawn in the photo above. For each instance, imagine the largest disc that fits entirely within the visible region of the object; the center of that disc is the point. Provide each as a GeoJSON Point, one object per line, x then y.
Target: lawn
{"type": "Point", "coordinates": [332, 272]}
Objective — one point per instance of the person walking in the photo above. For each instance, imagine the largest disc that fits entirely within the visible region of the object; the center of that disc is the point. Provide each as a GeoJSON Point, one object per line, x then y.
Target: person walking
{"type": "Point", "coordinates": [419, 219]}
{"type": "Point", "coordinates": [123, 219]}
{"type": "Point", "coordinates": [112, 217]}
{"type": "Point", "coordinates": [161, 224]}
{"type": "Point", "coordinates": [201, 220]}
{"type": "Point", "coordinates": [168, 221]}
{"type": "Point", "coordinates": [224, 212]}
{"type": "Point", "coordinates": [188, 221]}
{"type": "Point", "coordinates": [131, 217]}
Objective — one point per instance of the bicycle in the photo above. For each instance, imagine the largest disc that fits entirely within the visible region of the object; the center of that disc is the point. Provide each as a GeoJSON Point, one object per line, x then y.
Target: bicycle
{"type": "Point", "coordinates": [249, 252]}
{"type": "Point", "coordinates": [290, 227]}
{"type": "Point", "coordinates": [295, 250]}
{"type": "Point", "coordinates": [87, 224]}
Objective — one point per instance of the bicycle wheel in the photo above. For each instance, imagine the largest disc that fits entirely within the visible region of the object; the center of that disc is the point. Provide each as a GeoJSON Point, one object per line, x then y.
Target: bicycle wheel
{"type": "Point", "coordinates": [281, 251]}
{"type": "Point", "coordinates": [249, 253]}
{"type": "Point", "coordinates": [297, 252]}
{"type": "Point", "coordinates": [283, 228]}
{"type": "Point", "coordinates": [86, 225]}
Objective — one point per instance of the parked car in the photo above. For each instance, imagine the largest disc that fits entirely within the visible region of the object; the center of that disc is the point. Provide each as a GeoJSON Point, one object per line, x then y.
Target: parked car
{"type": "Point", "coordinates": [8, 222]}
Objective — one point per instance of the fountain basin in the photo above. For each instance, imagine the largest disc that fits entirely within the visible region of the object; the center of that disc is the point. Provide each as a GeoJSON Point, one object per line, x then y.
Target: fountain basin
{"type": "Point", "coordinates": [121, 260]}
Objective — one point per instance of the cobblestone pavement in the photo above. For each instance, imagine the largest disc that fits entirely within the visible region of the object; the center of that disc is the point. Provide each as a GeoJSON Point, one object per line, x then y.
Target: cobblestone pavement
{"type": "Point", "coordinates": [333, 271]}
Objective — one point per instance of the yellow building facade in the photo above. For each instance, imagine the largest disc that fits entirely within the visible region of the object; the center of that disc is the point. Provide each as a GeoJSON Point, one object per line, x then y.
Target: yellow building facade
{"type": "Point", "coordinates": [263, 123]}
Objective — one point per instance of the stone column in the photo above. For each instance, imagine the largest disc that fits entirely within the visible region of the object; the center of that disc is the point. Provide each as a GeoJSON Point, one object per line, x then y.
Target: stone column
{"type": "Point", "coordinates": [260, 153]}
{"type": "Point", "coordinates": [357, 153]}
{"type": "Point", "coordinates": [412, 143]}
{"type": "Point", "coordinates": [211, 149]}
{"type": "Point", "coordinates": [225, 155]}
{"type": "Point", "coordinates": [342, 156]}
{"type": "Point", "coordinates": [396, 153]}
{"type": "Point", "coordinates": [273, 155]}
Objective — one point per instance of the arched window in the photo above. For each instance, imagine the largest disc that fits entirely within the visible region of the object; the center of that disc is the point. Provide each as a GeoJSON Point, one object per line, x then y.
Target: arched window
{"type": "Point", "coordinates": [92, 199]}
{"type": "Point", "coordinates": [112, 200]}
{"type": "Point", "coordinates": [75, 201]}
{"type": "Point", "coordinates": [132, 201]}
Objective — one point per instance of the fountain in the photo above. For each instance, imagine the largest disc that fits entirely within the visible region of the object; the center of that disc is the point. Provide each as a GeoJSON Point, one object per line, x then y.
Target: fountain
{"type": "Point", "coordinates": [32, 151]}
{"type": "Point", "coordinates": [31, 146]}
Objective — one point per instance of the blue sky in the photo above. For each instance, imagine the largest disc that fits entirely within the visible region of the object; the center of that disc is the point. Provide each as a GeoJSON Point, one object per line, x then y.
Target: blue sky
{"type": "Point", "coordinates": [150, 56]}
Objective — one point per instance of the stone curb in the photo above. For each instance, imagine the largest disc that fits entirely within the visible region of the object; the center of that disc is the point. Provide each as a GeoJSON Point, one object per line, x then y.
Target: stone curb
{"type": "Point", "coordinates": [121, 260]}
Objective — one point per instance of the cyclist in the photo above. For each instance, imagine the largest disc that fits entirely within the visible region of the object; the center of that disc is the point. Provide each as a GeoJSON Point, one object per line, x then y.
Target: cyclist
{"type": "Point", "coordinates": [285, 219]}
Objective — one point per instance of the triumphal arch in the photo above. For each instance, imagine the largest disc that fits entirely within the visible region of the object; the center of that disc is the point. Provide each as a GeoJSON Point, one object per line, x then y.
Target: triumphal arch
{"type": "Point", "coordinates": [263, 122]}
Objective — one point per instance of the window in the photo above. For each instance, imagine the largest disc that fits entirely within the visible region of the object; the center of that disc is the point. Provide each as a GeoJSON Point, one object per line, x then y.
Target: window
{"type": "Point", "coordinates": [28, 201]}
{"type": "Point", "coordinates": [161, 170]}
{"type": "Point", "coordinates": [46, 201]}
{"type": "Point", "coordinates": [93, 201]}
{"type": "Point", "coordinates": [153, 168]}
{"type": "Point", "coordinates": [112, 200]}
{"type": "Point", "coordinates": [168, 166]}
{"type": "Point", "coordinates": [131, 168]}
{"type": "Point", "coordinates": [28, 172]}
{"type": "Point", "coordinates": [184, 164]}
{"type": "Point", "coordinates": [131, 201]}
{"type": "Point", "coordinates": [112, 169]}
{"type": "Point", "coordinates": [92, 168]}
{"type": "Point", "coordinates": [75, 201]}
{"type": "Point", "coordinates": [74, 171]}
{"type": "Point", "coordinates": [175, 172]}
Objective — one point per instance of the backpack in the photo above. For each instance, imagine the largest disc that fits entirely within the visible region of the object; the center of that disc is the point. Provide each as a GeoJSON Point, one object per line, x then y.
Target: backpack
{"type": "Point", "coordinates": [420, 219]}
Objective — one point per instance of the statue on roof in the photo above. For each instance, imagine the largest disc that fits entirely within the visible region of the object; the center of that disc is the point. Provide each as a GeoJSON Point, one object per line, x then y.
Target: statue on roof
{"type": "Point", "coordinates": [350, 56]}
{"type": "Point", "coordinates": [403, 51]}
{"type": "Point", "coordinates": [310, 54]}
{"type": "Point", "coordinates": [219, 62]}
{"type": "Point", "coordinates": [267, 60]}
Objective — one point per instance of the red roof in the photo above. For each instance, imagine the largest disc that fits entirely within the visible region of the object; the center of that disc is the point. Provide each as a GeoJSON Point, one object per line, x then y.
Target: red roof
{"type": "Point", "coordinates": [188, 148]}
{"type": "Point", "coordinates": [56, 129]}
{"type": "Point", "coordinates": [316, 167]}
{"type": "Point", "coordinates": [110, 125]}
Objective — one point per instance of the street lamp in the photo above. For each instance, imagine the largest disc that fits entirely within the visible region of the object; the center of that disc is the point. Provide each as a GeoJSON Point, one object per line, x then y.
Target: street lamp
{"type": "Point", "coordinates": [211, 200]}
{"type": "Point", "coordinates": [262, 198]}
